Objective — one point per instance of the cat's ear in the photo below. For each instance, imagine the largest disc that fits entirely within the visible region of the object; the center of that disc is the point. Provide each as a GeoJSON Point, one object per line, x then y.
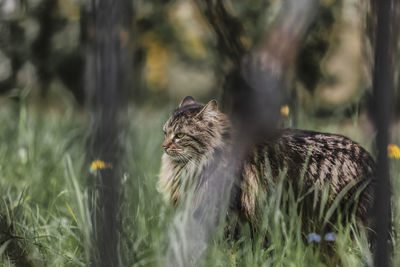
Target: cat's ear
{"type": "Point", "coordinates": [187, 101]}
{"type": "Point", "coordinates": [210, 107]}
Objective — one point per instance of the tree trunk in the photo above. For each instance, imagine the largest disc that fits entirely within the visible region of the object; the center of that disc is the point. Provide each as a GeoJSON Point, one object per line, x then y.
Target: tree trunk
{"type": "Point", "coordinates": [107, 83]}
{"type": "Point", "coordinates": [381, 111]}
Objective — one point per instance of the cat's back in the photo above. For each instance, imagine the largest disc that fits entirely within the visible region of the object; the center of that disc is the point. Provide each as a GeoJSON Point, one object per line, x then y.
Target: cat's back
{"type": "Point", "coordinates": [320, 156]}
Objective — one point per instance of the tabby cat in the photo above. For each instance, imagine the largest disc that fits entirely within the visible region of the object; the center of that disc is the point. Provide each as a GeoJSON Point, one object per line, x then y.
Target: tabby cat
{"type": "Point", "coordinates": [195, 131]}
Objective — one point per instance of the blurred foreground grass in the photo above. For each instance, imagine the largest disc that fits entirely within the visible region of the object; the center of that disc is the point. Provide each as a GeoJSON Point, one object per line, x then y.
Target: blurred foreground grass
{"type": "Point", "coordinates": [45, 205]}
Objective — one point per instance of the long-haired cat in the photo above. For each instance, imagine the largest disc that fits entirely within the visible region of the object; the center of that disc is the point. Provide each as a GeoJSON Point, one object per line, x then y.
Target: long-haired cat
{"type": "Point", "coordinates": [195, 131]}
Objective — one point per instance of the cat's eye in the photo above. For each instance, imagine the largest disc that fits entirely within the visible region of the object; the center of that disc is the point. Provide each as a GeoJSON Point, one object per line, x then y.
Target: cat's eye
{"type": "Point", "coordinates": [179, 135]}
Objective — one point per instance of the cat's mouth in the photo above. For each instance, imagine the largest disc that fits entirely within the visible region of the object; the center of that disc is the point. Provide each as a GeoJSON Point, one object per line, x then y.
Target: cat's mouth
{"type": "Point", "coordinates": [177, 156]}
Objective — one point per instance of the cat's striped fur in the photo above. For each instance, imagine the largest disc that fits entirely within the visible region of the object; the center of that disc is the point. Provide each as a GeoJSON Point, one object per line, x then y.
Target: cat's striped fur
{"type": "Point", "coordinates": [195, 131]}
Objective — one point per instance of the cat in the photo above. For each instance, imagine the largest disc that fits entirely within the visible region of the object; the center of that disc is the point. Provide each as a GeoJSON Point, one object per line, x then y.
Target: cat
{"type": "Point", "coordinates": [195, 131]}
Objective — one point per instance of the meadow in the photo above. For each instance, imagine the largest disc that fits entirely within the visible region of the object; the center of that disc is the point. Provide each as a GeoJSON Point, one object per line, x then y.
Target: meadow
{"type": "Point", "coordinates": [45, 201]}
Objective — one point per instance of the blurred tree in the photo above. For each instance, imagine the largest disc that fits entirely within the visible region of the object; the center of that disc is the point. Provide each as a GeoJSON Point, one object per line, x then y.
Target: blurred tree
{"type": "Point", "coordinates": [385, 43]}
{"type": "Point", "coordinates": [329, 70]}
{"type": "Point", "coordinates": [108, 83]}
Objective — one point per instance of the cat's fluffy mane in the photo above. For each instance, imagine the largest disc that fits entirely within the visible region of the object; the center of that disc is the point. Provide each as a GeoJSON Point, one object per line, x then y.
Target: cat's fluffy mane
{"type": "Point", "coordinates": [176, 174]}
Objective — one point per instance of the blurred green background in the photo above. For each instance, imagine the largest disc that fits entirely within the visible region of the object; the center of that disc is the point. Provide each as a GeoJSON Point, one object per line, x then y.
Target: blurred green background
{"type": "Point", "coordinates": [43, 47]}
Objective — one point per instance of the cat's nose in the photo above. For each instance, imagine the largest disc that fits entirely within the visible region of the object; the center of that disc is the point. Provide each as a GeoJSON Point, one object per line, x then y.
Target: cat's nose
{"type": "Point", "coordinates": [166, 144]}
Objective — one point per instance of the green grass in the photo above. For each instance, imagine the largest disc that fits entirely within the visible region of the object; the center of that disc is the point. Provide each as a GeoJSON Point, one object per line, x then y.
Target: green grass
{"type": "Point", "coordinates": [46, 215]}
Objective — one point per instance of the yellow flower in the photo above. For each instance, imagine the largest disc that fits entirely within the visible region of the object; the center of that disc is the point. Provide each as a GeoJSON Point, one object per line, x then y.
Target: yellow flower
{"type": "Point", "coordinates": [393, 151]}
{"type": "Point", "coordinates": [285, 110]}
{"type": "Point", "coordinates": [99, 165]}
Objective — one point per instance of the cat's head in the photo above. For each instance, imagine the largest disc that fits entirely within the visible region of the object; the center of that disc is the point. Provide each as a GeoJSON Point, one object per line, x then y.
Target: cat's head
{"type": "Point", "coordinates": [194, 129]}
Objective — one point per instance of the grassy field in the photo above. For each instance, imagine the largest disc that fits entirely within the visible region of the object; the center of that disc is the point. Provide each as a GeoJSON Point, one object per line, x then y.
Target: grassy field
{"type": "Point", "coordinates": [45, 217]}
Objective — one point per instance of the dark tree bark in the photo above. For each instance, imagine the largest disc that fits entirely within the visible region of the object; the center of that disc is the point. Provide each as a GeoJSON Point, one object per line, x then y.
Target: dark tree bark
{"type": "Point", "coordinates": [227, 30]}
{"type": "Point", "coordinates": [381, 112]}
{"type": "Point", "coordinates": [108, 83]}
{"type": "Point", "coordinates": [41, 48]}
